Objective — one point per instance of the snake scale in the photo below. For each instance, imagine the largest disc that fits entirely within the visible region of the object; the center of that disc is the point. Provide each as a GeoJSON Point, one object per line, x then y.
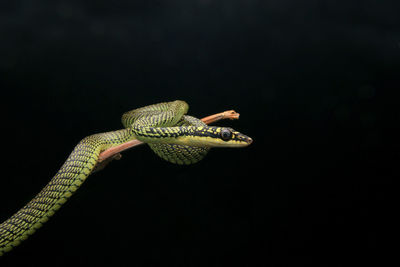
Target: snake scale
{"type": "Point", "coordinates": [172, 135]}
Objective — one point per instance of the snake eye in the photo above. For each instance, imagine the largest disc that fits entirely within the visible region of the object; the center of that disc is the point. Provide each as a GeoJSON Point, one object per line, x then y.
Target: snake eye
{"type": "Point", "coordinates": [226, 134]}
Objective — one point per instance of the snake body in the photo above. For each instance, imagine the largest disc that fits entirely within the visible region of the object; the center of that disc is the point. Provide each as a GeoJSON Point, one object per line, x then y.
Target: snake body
{"type": "Point", "coordinates": [172, 135]}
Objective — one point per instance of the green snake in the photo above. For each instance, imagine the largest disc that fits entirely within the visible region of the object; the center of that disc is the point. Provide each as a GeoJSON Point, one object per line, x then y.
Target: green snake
{"type": "Point", "coordinates": [172, 135]}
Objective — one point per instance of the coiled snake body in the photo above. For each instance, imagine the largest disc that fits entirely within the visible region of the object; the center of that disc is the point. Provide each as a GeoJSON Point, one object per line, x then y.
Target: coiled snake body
{"type": "Point", "coordinates": [170, 133]}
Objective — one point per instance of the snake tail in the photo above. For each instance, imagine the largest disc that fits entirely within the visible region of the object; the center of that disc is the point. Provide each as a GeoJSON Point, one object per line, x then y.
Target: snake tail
{"type": "Point", "coordinates": [61, 187]}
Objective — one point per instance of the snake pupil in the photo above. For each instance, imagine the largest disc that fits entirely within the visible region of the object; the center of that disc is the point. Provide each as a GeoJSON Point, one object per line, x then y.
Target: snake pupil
{"type": "Point", "coordinates": [226, 134]}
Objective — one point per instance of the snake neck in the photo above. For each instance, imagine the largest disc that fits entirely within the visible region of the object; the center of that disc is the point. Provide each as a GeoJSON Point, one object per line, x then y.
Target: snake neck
{"type": "Point", "coordinates": [181, 135]}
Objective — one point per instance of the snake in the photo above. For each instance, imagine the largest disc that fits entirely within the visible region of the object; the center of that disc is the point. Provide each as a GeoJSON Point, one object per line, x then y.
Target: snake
{"type": "Point", "coordinates": [174, 136]}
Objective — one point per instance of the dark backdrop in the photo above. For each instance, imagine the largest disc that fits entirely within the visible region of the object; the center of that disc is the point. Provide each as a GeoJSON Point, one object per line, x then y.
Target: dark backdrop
{"type": "Point", "coordinates": [315, 83]}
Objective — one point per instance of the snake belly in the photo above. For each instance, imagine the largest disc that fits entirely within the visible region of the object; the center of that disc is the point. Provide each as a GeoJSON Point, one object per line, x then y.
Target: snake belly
{"type": "Point", "coordinates": [84, 157]}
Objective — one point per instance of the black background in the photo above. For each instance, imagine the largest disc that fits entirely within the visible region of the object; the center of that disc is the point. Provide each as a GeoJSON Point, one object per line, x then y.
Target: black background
{"type": "Point", "coordinates": [315, 83]}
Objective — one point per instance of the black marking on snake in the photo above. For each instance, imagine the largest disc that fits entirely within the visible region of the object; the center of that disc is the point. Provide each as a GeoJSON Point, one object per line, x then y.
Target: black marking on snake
{"type": "Point", "coordinates": [29, 214]}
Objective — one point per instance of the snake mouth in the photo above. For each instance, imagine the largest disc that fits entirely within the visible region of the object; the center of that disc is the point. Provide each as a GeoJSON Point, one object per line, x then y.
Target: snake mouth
{"type": "Point", "coordinates": [242, 139]}
{"type": "Point", "coordinates": [247, 141]}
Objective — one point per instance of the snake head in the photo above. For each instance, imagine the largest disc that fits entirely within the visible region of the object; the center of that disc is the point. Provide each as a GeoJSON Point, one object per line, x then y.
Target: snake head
{"type": "Point", "coordinates": [233, 138]}
{"type": "Point", "coordinates": [214, 136]}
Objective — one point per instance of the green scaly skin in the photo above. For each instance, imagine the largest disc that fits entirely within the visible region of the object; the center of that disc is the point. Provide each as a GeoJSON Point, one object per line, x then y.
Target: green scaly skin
{"type": "Point", "coordinates": [170, 134]}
